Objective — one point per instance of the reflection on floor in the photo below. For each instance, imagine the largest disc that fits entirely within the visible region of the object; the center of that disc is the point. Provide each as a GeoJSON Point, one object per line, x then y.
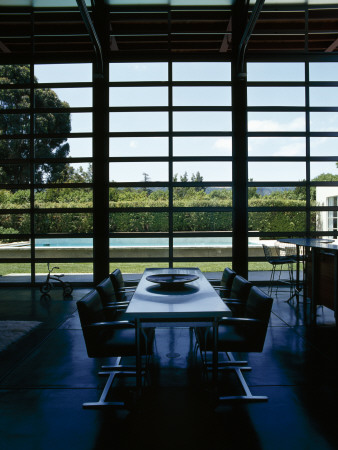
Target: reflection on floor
{"type": "Point", "coordinates": [46, 376]}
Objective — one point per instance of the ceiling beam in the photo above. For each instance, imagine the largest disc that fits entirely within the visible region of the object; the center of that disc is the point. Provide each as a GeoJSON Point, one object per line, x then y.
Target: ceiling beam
{"type": "Point", "coordinates": [246, 36]}
{"type": "Point", "coordinates": [333, 46]}
{"type": "Point", "coordinates": [92, 34]}
{"type": "Point", "coordinates": [227, 38]}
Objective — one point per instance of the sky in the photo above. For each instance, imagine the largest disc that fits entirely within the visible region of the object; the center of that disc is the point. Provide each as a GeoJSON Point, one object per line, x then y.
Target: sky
{"type": "Point", "coordinates": [205, 121]}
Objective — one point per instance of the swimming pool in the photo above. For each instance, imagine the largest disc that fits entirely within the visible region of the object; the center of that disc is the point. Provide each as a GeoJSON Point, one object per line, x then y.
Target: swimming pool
{"type": "Point", "coordinates": [138, 242]}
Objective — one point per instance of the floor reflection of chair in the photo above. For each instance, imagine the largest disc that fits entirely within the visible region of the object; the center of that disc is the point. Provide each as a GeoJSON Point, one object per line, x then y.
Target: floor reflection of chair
{"type": "Point", "coordinates": [110, 339]}
{"type": "Point", "coordinates": [277, 262]}
{"type": "Point", "coordinates": [239, 334]}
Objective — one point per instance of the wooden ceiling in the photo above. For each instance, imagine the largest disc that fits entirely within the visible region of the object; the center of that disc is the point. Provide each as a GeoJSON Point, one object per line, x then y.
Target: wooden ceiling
{"type": "Point", "coordinates": [161, 33]}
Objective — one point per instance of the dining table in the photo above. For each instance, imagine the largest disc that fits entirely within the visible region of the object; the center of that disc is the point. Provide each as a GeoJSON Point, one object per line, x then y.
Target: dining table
{"type": "Point", "coordinates": [169, 297]}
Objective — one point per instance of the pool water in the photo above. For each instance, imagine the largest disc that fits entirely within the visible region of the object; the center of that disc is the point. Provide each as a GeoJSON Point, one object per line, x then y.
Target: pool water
{"type": "Point", "coordinates": [135, 242]}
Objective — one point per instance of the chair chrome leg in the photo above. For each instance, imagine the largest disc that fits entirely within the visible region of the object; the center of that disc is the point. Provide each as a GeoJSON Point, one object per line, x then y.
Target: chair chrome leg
{"type": "Point", "coordinates": [249, 396]}
{"type": "Point", "coordinates": [102, 403]}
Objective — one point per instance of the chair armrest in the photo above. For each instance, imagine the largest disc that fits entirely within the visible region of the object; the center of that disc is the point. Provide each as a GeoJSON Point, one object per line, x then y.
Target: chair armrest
{"type": "Point", "coordinates": [113, 324]}
{"type": "Point", "coordinates": [117, 305]}
{"type": "Point", "coordinates": [236, 320]}
{"type": "Point", "coordinates": [233, 301]}
{"type": "Point", "coordinates": [127, 289]}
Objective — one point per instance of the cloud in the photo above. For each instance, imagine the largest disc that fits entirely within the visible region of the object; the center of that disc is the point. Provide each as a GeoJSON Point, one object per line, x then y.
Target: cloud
{"type": "Point", "coordinates": [297, 124]}
{"type": "Point", "coordinates": [223, 144]}
{"type": "Point", "coordinates": [294, 149]}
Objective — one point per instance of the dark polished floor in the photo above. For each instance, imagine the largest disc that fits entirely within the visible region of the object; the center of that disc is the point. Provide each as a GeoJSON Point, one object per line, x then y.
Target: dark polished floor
{"type": "Point", "coordinates": [46, 376]}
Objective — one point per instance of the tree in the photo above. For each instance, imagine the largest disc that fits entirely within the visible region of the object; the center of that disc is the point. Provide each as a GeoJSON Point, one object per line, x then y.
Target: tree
{"type": "Point", "coordinates": [19, 124]}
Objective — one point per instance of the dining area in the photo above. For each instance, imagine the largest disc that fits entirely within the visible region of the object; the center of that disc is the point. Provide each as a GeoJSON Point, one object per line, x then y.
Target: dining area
{"type": "Point", "coordinates": [219, 320]}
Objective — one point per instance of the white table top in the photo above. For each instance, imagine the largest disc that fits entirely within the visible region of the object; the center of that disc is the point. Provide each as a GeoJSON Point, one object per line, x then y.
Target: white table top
{"type": "Point", "coordinates": [196, 299]}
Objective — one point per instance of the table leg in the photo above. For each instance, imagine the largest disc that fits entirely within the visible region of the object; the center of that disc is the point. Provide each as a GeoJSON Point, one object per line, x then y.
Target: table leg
{"type": "Point", "coordinates": [138, 357]}
{"type": "Point", "coordinates": [215, 355]}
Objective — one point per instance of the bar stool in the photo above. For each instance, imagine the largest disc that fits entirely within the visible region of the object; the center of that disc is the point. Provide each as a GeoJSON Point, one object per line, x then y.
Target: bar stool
{"type": "Point", "coordinates": [278, 262]}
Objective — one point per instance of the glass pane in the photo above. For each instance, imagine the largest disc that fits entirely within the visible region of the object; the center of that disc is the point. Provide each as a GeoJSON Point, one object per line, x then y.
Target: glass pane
{"type": "Point", "coordinates": [18, 199]}
{"type": "Point", "coordinates": [15, 223]}
{"type": "Point", "coordinates": [202, 121]}
{"type": "Point", "coordinates": [277, 171]}
{"type": "Point", "coordinates": [138, 121]}
{"type": "Point", "coordinates": [283, 197]}
{"type": "Point", "coordinates": [66, 97]}
{"type": "Point", "coordinates": [138, 96]}
{"type": "Point", "coordinates": [63, 198]}
{"type": "Point", "coordinates": [276, 221]}
{"type": "Point", "coordinates": [276, 121]}
{"type": "Point", "coordinates": [327, 196]}
{"type": "Point", "coordinates": [201, 71]}
{"type": "Point", "coordinates": [15, 272]}
{"type": "Point", "coordinates": [201, 96]}
{"type": "Point", "coordinates": [15, 174]}
{"type": "Point", "coordinates": [324, 121]}
{"type": "Point", "coordinates": [276, 96]}
{"type": "Point", "coordinates": [276, 71]}
{"type": "Point", "coordinates": [324, 96]}
{"type": "Point", "coordinates": [204, 247]}
{"type": "Point", "coordinates": [202, 146]}
{"type": "Point", "coordinates": [138, 171]}
{"type": "Point", "coordinates": [14, 73]}
{"type": "Point", "coordinates": [14, 98]}
{"type": "Point", "coordinates": [63, 123]}
{"type": "Point", "coordinates": [64, 223]}
{"type": "Point", "coordinates": [138, 71]}
{"type": "Point", "coordinates": [67, 242]}
{"type": "Point", "coordinates": [324, 170]}
{"type": "Point", "coordinates": [136, 242]}
{"type": "Point", "coordinates": [14, 148]}
{"type": "Point", "coordinates": [63, 73]}
{"type": "Point", "coordinates": [47, 123]}
{"type": "Point", "coordinates": [202, 221]}
{"type": "Point", "coordinates": [51, 172]}
{"type": "Point", "coordinates": [150, 248]}
{"type": "Point", "coordinates": [276, 146]}
{"type": "Point", "coordinates": [11, 124]}
{"type": "Point", "coordinates": [63, 148]}
{"type": "Point", "coordinates": [134, 268]}
{"type": "Point", "coordinates": [323, 146]}
{"type": "Point", "coordinates": [138, 197]}
{"type": "Point", "coordinates": [202, 171]}
{"type": "Point", "coordinates": [63, 248]}
{"type": "Point", "coordinates": [138, 222]}
{"type": "Point", "coordinates": [202, 196]}
{"type": "Point", "coordinates": [205, 267]}
{"type": "Point", "coordinates": [326, 71]}
{"type": "Point", "coordinates": [138, 146]}
{"type": "Point", "coordinates": [82, 271]}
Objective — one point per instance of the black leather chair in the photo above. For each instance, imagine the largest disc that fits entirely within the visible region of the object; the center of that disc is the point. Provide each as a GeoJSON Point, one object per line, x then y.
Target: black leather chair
{"type": "Point", "coordinates": [224, 286]}
{"type": "Point", "coordinates": [122, 292]}
{"type": "Point", "coordinates": [108, 296]}
{"type": "Point", "coordinates": [239, 334]}
{"type": "Point", "coordinates": [238, 296]}
{"type": "Point", "coordinates": [110, 339]}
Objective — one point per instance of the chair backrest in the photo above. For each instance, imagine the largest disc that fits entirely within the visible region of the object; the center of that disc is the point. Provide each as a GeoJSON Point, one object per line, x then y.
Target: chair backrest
{"type": "Point", "coordinates": [91, 310]}
{"type": "Point", "coordinates": [258, 306]}
{"type": "Point", "coordinates": [117, 279]}
{"type": "Point", "coordinates": [107, 291]}
{"type": "Point", "coordinates": [228, 278]}
{"type": "Point", "coordinates": [240, 288]}
{"type": "Point", "coordinates": [267, 252]}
